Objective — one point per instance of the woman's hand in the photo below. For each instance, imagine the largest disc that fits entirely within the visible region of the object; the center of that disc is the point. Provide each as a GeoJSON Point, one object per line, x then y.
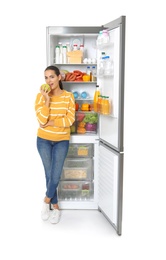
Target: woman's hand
{"type": "Point", "coordinates": [49, 123]}
{"type": "Point", "coordinates": [45, 95]}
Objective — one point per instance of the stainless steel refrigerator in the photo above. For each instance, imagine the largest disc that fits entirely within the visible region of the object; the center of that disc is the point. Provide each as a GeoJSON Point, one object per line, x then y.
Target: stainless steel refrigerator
{"type": "Point", "coordinates": [107, 153]}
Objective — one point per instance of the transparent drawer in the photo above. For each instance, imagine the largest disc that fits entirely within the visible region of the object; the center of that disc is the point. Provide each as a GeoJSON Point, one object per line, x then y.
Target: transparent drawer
{"type": "Point", "coordinates": [75, 190]}
{"type": "Point", "coordinates": [81, 150]}
{"type": "Point", "coordinates": [86, 122]}
{"type": "Point", "coordinates": [77, 169]}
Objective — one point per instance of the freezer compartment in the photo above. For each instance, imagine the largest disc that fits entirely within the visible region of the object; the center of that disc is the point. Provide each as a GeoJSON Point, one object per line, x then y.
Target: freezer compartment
{"type": "Point", "coordinates": [80, 150]}
{"type": "Point", "coordinates": [78, 169]}
{"type": "Point", "coordinates": [75, 190]}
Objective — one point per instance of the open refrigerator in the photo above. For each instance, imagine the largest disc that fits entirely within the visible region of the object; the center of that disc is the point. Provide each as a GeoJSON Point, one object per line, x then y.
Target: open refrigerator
{"type": "Point", "coordinates": [92, 177]}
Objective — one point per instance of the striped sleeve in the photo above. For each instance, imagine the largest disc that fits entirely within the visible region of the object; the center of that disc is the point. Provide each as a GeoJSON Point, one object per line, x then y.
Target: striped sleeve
{"type": "Point", "coordinates": [42, 112]}
{"type": "Point", "coordinates": [68, 119]}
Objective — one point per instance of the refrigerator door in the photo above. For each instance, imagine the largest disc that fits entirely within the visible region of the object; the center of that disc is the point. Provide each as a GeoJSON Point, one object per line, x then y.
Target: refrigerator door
{"type": "Point", "coordinates": [110, 185]}
{"type": "Point", "coordinates": [111, 126]}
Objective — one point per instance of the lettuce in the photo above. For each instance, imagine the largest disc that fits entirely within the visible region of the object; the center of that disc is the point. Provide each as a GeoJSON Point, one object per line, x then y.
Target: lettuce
{"type": "Point", "coordinates": [91, 118]}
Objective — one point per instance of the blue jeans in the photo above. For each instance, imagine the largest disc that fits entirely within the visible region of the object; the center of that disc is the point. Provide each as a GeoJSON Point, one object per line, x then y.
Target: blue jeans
{"type": "Point", "coordinates": [53, 155]}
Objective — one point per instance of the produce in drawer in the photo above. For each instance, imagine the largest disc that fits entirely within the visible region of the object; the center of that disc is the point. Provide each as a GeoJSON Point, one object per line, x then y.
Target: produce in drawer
{"type": "Point", "coordinates": [70, 186]}
{"type": "Point", "coordinates": [85, 186]}
{"type": "Point", "coordinates": [81, 130]}
{"type": "Point", "coordinates": [91, 118]}
{"type": "Point", "coordinates": [91, 127]}
{"type": "Point", "coordinates": [72, 128]}
{"type": "Point", "coordinates": [80, 116]}
{"type": "Point", "coordinates": [81, 124]}
{"type": "Point", "coordinates": [75, 174]}
{"type": "Point", "coordinates": [83, 150]}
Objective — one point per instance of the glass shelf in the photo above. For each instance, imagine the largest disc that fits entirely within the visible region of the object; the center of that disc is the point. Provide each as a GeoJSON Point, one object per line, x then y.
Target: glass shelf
{"type": "Point", "coordinates": [79, 82]}
{"type": "Point", "coordinates": [75, 64]}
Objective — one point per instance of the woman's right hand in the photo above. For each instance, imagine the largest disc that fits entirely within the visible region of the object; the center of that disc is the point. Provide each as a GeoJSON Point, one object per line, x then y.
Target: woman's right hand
{"type": "Point", "coordinates": [45, 95]}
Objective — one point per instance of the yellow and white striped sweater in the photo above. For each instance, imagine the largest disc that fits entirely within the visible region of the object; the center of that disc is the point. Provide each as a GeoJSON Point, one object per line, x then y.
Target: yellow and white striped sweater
{"type": "Point", "coordinates": [61, 110]}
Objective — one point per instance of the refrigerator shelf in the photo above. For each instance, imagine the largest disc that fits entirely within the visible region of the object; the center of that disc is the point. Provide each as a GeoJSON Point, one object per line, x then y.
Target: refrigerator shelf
{"type": "Point", "coordinates": [79, 82]}
{"type": "Point", "coordinates": [105, 45]}
{"type": "Point", "coordinates": [75, 64]}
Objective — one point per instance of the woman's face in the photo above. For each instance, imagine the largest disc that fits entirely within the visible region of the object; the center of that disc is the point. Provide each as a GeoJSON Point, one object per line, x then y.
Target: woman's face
{"type": "Point", "coordinates": [52, 79]}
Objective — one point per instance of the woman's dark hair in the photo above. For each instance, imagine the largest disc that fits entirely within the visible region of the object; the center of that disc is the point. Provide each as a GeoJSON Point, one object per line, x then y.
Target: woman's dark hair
{"type": "Point", "coordinates": [57, 72]}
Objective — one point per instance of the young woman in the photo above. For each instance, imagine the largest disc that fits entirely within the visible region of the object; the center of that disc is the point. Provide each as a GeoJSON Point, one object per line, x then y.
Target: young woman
{"type": "Point", "coordinates": [55, 111]}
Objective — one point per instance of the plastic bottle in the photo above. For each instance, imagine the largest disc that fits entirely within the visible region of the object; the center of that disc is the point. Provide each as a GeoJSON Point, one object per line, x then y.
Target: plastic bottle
{"type": "Point", "coordinates": [94, 74]}
{"type": "Point", "coordinates": [82, 49]}
{"type": "Point", "coordinates": [68, 50]}
{"type": "Point", "coordinates": [106, 106]}
{"type": "Point", "coordinates": [102, 104]}
{"type": "Point", "coordinates": [99, 104]}
{"type": "Point", "coordinates": [95, 99]}
{"type": "Point", "coordinates": [108, 66]}
{"type": "Point", "coordinates": [75, 47]}
{"type": "Point", "coordinates": [68, 46]}
{"type": "Point", "coordinates": [60, 53]}
{"type": "Point", "coordinates": [64, 54]}
{"type": "Point", "coordinates": [99, 38]}
{"type": "Point", "coordinates": [105, 36]}
{"type": "Point", "coordinates": [89, 72]}
{"type": "Point", "coordinates": [57, 52]}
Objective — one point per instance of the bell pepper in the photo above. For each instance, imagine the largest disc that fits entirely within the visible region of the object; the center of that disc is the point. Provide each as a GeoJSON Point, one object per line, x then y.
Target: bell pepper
{"type": "Point", "coordinates": [85, 107]}
{"type": "Point", "coordinates": [76, 106]}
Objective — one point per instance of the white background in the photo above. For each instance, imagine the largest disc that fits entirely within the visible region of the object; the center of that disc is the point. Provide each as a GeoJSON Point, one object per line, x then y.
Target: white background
{"type": "Point", "coordinates": [22, 62]}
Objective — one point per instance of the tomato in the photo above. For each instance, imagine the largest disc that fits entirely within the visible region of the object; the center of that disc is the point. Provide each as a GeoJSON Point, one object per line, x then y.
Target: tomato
{"type": "Point", "coordinates": [76, 106]}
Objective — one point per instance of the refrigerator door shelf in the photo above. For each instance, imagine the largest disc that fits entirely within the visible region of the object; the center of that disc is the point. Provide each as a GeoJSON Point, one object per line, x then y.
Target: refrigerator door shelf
{"type": "Point", "coordinates": [114, 88]}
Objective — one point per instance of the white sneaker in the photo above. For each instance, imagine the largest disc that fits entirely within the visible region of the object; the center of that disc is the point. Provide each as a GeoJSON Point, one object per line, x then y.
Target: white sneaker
{"type": "Point", "coordinates": [55, 216]}
{"type": "Point", "coordinates": [45, 213]}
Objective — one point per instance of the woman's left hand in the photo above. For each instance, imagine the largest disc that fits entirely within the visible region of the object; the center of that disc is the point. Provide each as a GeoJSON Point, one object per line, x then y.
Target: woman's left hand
{"type": "Point", "coordinates": [49, 123]}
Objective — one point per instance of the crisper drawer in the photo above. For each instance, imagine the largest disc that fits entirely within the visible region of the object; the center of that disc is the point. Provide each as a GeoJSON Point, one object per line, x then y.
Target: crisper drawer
{"type": "Point", "coordinates": [78, 169]}
{"type": "Point", "coordinates": [81, 150]}
{"type": "Point", "coordinates": [75, 190]}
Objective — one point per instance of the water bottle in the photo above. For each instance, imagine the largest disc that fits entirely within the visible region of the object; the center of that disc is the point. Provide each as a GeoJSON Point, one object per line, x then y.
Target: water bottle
{"type": "Point", "coordinates": [108, 66]}
{"type": "Point", "coordinates": [60, 53]}
{"type": "Point", "coordinates": [99, 38]}
{"type": "Point", "coordinates": [105, 37]}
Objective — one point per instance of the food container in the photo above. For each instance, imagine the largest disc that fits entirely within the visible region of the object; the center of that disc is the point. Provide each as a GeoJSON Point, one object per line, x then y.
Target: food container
{"type": "Point", "coordinates": [75, 190]}
{"type": "Point", "coordinates": [75, 56]}
{"type": "Point", "coordinates": [78, 169]}
{"type": "Point", "coordinates": [80, 150]}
